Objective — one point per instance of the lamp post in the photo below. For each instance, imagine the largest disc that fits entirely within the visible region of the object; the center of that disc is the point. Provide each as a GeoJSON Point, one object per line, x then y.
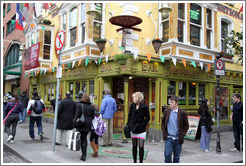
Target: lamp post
{"type": "Point", "coordinates": [218, 147]}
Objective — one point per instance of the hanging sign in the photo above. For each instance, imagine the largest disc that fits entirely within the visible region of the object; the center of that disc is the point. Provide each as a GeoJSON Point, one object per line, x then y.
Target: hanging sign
{"type": "Point", "coordinates": [31, 57]}
{"type": "Point", "coordinates": [60, 40]}
{"type": "Point", "coordinates": [59, 72]}
{"type": "Point", "coordinates": [194, 14]}
{"type": "Point", "coordinates": [219, 67]}
{"type": "Point", "coordinates": [193, 126]}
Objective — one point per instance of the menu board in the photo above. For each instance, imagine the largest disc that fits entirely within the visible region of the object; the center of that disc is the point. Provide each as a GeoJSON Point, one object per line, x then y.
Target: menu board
{"type": "Point", "coordinates": [193, 126]}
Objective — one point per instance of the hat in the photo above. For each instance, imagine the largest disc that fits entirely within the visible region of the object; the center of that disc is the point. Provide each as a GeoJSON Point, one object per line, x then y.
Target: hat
{"type": "Point", "coordinates": [81, 93]}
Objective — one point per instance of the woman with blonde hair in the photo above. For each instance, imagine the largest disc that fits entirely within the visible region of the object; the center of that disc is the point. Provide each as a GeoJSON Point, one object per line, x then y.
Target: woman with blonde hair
{"type": "Point", "coordinates": [138, 119]}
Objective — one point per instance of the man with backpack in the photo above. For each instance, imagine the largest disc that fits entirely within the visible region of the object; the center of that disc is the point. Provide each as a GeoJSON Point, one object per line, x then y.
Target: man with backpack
{"type": "Point", "coordinates": [35, 109]}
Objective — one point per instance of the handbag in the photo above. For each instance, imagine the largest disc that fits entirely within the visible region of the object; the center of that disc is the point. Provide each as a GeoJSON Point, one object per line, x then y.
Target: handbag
{"type": "Point", "coordinates": [81, 122]}
{"type": "Point", "coordinates": [74, 141]}
{"type": "Point", "coordinates": [4, 121]}
{"type": "Point", "coordinates": [127, 131]}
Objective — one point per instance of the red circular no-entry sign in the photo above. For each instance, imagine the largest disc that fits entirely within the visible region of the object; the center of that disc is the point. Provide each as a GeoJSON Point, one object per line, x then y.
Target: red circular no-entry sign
{"type": "Point", "coordinates": [219, 65]}
{"type": "Point", "coordinates": [60, 40]}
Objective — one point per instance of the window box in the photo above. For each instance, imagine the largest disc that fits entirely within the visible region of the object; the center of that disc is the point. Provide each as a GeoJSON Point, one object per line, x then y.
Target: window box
{"type": "Point", "coordinates": [121, 59]}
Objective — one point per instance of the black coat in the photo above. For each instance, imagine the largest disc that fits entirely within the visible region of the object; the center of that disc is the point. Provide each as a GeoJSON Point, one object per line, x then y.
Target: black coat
{"type": "Point", "coordinates": [24, 100]}
{"type": "Point", "coordinates": [205, 118]}
{"type": "Point", "coordinates": [139, 118]}
{"type": "Point", "coordinates": [237, 112]}
{"type": "Point", "coordinates": [88, 113]}
{"type": "Point", "coordinates": [66, 113]}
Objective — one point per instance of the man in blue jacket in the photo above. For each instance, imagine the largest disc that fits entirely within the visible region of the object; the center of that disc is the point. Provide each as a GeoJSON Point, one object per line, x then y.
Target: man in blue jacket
{"type": "Point", "coordinates": [108, 109]}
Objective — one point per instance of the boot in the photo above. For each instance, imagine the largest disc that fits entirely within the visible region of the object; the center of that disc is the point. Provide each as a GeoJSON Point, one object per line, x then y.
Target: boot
{"type": "Point", "coordinates": [93, 145]}
{"type": "Point", "coordinates": [83, 149]}
{"type": "Point", "coordinates": [97, 146]}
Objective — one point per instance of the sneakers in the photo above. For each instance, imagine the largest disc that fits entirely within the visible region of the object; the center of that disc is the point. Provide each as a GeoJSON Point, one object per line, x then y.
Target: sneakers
{"type": "Point", "coordinates": [41, 136]}
{"type": "Point", "coordinates": [12, 141]}
{"type": "Point", "coordinates": [58, 143]}
{"type": "Point", "coordinates": [233, 149]}
{"type": "Point", "coordinates": [31, 138]}
{"type": "Point", "coordinates": [206, 151]}
{"type": "Point", "coordinates": [10, 138]}
{"type": "Point", "coordinates": [20, 121]}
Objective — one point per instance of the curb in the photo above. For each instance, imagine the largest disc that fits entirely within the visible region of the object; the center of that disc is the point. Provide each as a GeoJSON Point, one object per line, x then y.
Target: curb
{"type": "Point", "coordinates": [15, 153]}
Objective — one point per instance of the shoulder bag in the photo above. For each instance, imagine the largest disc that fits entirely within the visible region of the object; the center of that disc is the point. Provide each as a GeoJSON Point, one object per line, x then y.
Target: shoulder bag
{"type": "Point", "coordinates": [81, 122]}
{"type": "Point", "coordinates": [4, 121]}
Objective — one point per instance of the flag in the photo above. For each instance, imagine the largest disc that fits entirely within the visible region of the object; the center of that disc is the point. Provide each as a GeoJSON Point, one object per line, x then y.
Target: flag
{"type": "Point", "coordinates": [32, 25]}
{"type": "Point", "coordinates": [201, 64]}
{"type": "Point", "coordinates": [241, 10]}
{"type": "Point", "coordinates": [34, 10]}
{"type": "Point", "coordinates": [19, 24]}
{"type": "Point", "coordinates": [209, 65]}
{"type": "Point", "coordinates": [63, 65]}
{"type": "Point", "coordinates": [46, 6]}
{"type": "Point", "coordinates": [162, 58]}
{"type": "Point", "coordinates": [86, 61]}
{"type": "Point", "coordinates": [174, 60]}
{"type": "Point", "coordinates": [37, 72]}
{"type": "Point", "coordinates": [184, 62]}
{"type": "Point", "coordinates": [49, 70]}
{"type": "Point", "coordinates": [26, 11]}
{"type": "Point", "coordinates": [41, 72]}
{"type": "Point", "coordinates": [79, 62]}
{"type": "Point", "coordinates": [135, 52]}
{"type": "Point", "coordinates": [99, 61]}
{"type": "Point", "coordinates": [149, 56]}
{"type": "Point", "coordinates": [193, 63]}
{"type": "Point", "coordinates": [106, 57]}
{"type": "Point", "coordinates": [73, 64]}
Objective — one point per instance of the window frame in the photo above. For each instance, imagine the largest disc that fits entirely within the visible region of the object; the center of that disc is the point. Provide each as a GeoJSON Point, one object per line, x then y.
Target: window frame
{"type": "Point", "coordinates": [4, 10]}
{"type": "Point", "coordinates": [13, 55]}
{"type": "Point", "coordinates": [98, 22]}
{"type": "Point", "coordinates": [82, 23]}
{"type": "Point", "coordinates": [8, 7]}
{"type": "Point", "coordinates": [44, 44]}
{"type": "Point", "coordinates": [230, 23]}
{"type": "Point", "coordinates": [210, 29]}
{"type": "Point", "coordinates": [10, 25]}
{"type": "Point", "coordinates": [73, 26]}
{"type": "Point", "coordinates": [197, 25]}
{"type": "Point", "coordinates": [183, 21]}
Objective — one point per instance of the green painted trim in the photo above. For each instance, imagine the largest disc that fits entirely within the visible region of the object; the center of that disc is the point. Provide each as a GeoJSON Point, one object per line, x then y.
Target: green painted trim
{"type": "Point", "coordinates": [12, 66]}
{"type": "Point", "coordinates": [12, 73]}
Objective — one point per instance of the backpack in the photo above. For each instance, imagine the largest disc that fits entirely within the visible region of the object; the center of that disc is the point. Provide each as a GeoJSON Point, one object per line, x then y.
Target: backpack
{"type": "Point", "coordinates": [38, 107]}
{"type": "Point", "coordinates": [101, 127]}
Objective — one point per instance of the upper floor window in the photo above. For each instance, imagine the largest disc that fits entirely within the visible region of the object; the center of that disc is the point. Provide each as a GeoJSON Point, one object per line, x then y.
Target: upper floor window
{"type": "Point", "coordinates": [181, 21]}
{"type": "Point", "coordinates": [97, 24]}
{"type": "Point", "coordinates": [224, 35]}
{"type": "Point", "coordinates": [3, 32]}
{"type": "Point", "coordinates": [47, 44]}
{"type": "Point", "coordinates": [83, 18]}
{"type": "Point", "coordinates": [33, 39]}
{"type": "Point", "coordinates": [10, 25]}
{"type": "Point", "coordinates": [64, 21]}
{"type": "Point", "coordinates": [209, 28]}
{"type": "Point", "coordinates": [3, 10]}
{"type": "Point", "coordinates": [12, 56]}
{"type": "Point", "coordinates": [73, 26]}
{"type": "Point", "coordinates": [195, 24]}
{"type": "Point", "coordinates": [9, 7]}
{"type": "Point", "coordinates": [165, 27]}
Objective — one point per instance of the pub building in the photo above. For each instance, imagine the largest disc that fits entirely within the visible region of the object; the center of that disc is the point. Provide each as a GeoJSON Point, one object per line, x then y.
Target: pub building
{"type": "Point", "coordinates": [183, 66]}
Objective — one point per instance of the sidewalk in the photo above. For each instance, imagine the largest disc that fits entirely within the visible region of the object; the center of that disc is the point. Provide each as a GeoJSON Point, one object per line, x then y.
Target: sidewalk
{"type": "Point", "coordinates": [37, 151]}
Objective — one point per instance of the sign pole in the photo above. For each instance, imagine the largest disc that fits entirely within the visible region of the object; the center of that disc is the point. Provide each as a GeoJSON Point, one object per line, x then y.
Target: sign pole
{"type": "Point", "coordinates": [218, 148]}
{"type": "Point", "coordinates": [60, 38]}
{"type": "Point", "coordinates": [56, 105]}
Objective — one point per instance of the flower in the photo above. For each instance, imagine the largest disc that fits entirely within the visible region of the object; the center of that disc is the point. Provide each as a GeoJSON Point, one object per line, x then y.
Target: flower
{"type": "Point", "coordinates": [157, 39]}
{"type": "Point", "coordinates": [221, 53]}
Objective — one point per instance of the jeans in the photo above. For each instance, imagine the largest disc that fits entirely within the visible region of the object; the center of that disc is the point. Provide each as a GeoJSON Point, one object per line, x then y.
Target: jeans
{"type": "Point", "coordinates": [205, 139]}
{"type": "Point", "coordinates": [172, 146]}
{"type": "Point", "coordinates": [238, 130]}
{"type": "Point", "coordinates": [38, 120]}
{"type": "Point", "coordinates": [22, 115]}
{"type": "Point", "coordinates": [12, 120]}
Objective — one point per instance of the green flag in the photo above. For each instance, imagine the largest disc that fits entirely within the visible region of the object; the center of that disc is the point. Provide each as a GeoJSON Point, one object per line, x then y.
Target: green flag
{"type": "Point", "coordinates": [69, 65]}
{"type": "Point", "coordinates": [162, 58]}
{"type": "Point", "coordinates": [43, 27]}
{"type": "Point", "coordinates": [86, 61]}
{"type": "Point", "coordinates": [41, 72]}
{"type": "Point", "coordinates": [13, 21]}
{"type": "Point", "coordinates": [99, 61]}
{"type": "Point", "coordinates": [121, 48]}
{"type": "Point", "coordinates": [54, 68]}
{"type": "Point", "coordinates": [26, 76]}
{"type": "Point", "coordinates": [193, 63]}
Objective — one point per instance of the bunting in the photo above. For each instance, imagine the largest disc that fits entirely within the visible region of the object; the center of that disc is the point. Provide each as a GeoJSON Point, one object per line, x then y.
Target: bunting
{"type": "Point", "coordinates": [37, 72]}
{"type": "Point", "coordinates": [149, 56]}
{"type": "Point", "coordinates": [79, 62]}
{"type": "Point", "coordinates": [121, 48]}
{"type": "Point", "coordinates": [201, 64]}
{"type": "Point", "coordinates": [43, 27]}
{"type": "Point", "coordinates": [73, 64]}
{"type": "Point", "coordinates": [13, 21]}
{"type": "Point", "coordinates": [45, 71]}
{"type": "Point", "coordinates": [209, 65]}
{"type": "Point", "coordinates": [184, 62]}
{"type": "Point", "coordinates": [174, 61]}
{"type": "Point", "coordinates": [41, 72]}
{"type": "Point", "coordinates": [99, 61]}
{"type": "Point", "coordinates": [49, 70]}
{"type": "Point", "coordinates": [135, 53]}
{"type": "Point", "coordinates": [193, 63]}
{"type": "Point", "coordinates": [63, 66]}
{"type": "Point", "coordinates": [112, 54]}
{"type": "Point", "coordinates": [95, 61]}
{"type": "Point", "coordinates": [32, 25]}
{"type": "Point", "coordinates": [86, 61]}
{"type": "Point", "coordinates": [69, 65]}
{"type": "Point", "coordinates": [106, 57]}
{"type": "Point", "coordinates": [54, 69]}
{"type": "Point", "coordinates": [25, 76]}
{"type": "Point", "coordinates": [162, 57]}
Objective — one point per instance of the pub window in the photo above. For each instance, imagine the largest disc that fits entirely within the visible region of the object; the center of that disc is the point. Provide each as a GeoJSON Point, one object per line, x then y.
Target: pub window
{"type": "Point", "coordinates": [10, 26]}
{"type": "Point", "coordinates": [33, 39]}
{"type": "Point", "coordinates": [171, 90]}
{"type": "Point", "coordinates": [73, 26]}
{"type": "Point", "coordinates": [3, 10]}
{"type": "Point", "coordinates": [63, 26]}
{"type": "Point", "coordinates": [224, 35]}
{"type": "Point", "coordinates": [201, 93]}
{"type": "Point", "coordinates": [52, 91]}
{"type": "Point", "coordinates": [181, 21]}
{"type": "Point", "coordinates": [209, 28]}
{"type": "Point", "coordinates": [192, 93]}
{"type": "Point", "coordinates": [71, 89]}
{"type": "Point", "coordinates": [195, 24]}
{"type": "Point", "coordinates": [91, 90]}
{"type": "Point", "coordinates": [77, 87]}
{"type": "Point", "coordinates": [45, 93]}
{"type": "Point", "coordinates": [9, 7]}
{"type": "Point", "coordinates": [165, 27]}
{"type": "Point", "coordinates": [47, 44]}
{"type": "Point", "coordinates": [12, 56]}
{"type": "Point", "coordinates": [182, 93]}
{"type": "Point", "coordinates": [97, 24]}
{"type": "Point", "coordinates": [84, 86]}
{"type": "Point", "coordinates": [49, 87]}
{"type": "Point", "coordinates": [83, 18]}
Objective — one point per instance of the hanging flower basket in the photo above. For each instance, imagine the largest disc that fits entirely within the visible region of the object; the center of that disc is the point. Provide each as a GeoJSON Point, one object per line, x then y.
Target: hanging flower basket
{"type": "Point", "coordinates": [101, 44]}
{"type": "Point", "coordinates": [226, 56]}
{"type": "Point", "coordinates": [157, 44]}
{"type": "Point", "coordinates": [121, 59]}
{"type": "Point", "coordinates": [47, 22]}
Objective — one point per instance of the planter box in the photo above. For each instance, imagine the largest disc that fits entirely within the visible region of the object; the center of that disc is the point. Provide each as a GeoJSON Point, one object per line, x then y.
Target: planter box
{"type": "Point", "coordinates": [122, 61]}
{"type": "Point", "coordinates": [227, 57]}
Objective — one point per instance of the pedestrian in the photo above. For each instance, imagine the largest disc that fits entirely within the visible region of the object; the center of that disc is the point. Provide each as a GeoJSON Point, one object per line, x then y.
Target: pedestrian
{"type": "Point", "coordinates": [237, 119]}
{"type": "Point", "coordinates": [12, 109]}
{"type": "Point", "coordinates": [138, 119]}
{"type": "Point", "coordinates": [84, 106]}
{"type": "Point", "coordinates": [24, 100]}
{"type": "Point", "coordinates": [94, 136]}
{"type": "Point", "coordinates": [35, 109]}
{"type": "Point", "coordinates": [79, 96]}
{"type": "Point", "coordinates": [65, 116]}
{"type": "Point", "coordinates": [174, 127]}
{"type": "Point", "coordinates": [53, 102]}
{"type": "Point", "coordinates": [108, 109]}
{"type": "Point", "coordinates": [206, 123]}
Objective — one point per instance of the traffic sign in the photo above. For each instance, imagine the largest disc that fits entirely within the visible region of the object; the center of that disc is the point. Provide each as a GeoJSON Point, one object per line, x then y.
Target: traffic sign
{"type": "Point", "coordinates": [219, 67]}
{"type": "Point", "coordinates": [60, 40]}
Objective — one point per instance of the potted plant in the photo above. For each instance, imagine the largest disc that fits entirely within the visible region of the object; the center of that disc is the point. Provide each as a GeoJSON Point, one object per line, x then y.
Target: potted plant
{"type": "Point", "coordinates": [48, 22]}
{"type": "Point", "coordinates": [157, 44]}
{"type": "Point", "coordinates": [101, 43]}
{"type": "Point", "coordinates": [121, 58]}
{"type": "Point", "coordinates": [225, 55]}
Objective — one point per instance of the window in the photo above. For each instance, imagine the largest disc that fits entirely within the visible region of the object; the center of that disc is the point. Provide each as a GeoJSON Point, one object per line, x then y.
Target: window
{"type": "Point", "coordinates": [73, 26]}
{"type": "Point", "coordinates": [171, 90]}
{"type": "Point", "coordinates": [12, 56]}
{"type": "Point", "coordinates": [3, 31]}
{"type": "Point", "coordinates": [9, 7]}
{"type": "Point", "coordinates": [192, 93]}
{"type": "Point", "coordinates": [165, 27]}
{"type": "Point", "coordinates": [3, 10]}
{"type": "Point", "coordinates": [64, 21]}
{"type": "Point", "coordinates": [209, 28]}
{"type": "Point", "coordinates": [224, 35]}
{"type": "Point", "coordinates": [201, 93]}
{"type": "Point", "coordinates": [182, 93]}
{"type": "Point", "coordinates": [71, 89]}
{"type": "Point", "coordinates": [47, 44]}
{"type": "Point", "coordinates": [97, 24]}
{"type": "Point", "coordinates": [91, 90]}
{"type": "Point", "coordinates": [10, 25]}
{"type": "Point", "coordinates": [181, 21]}
{"type": "Point", "coordinates": [83, 18]}
{"type": "Point", "coordinates": [33, 39]}
{"type": "Point", "coordinates": [195, 24]}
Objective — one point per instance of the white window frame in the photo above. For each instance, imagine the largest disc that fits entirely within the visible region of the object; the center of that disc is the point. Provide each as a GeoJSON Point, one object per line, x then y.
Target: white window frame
{"type": "Point", "coordinates": [210, 29]}
{"type": "Point", "coordinates": [81, 23]}
{"type": "Point", "coordinates": [161, 24]}
{"type": "Point", "coordinates": [96, 21]}
{"type": "Point", "coordinates": [184, 24]}
{"type": "Point", "coordinates": [69, 28]}
{"type": "Point", "coordinates": [47, 44]}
